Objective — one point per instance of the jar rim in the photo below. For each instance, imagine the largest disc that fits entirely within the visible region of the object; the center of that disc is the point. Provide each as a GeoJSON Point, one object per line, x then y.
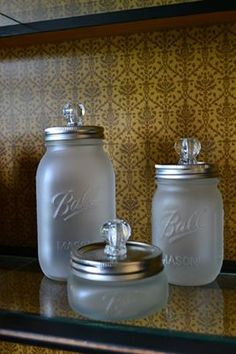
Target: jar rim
{"type": "Point", "coordinates": [142, 261]}
{"type": "Point", "coordinates": [74, 133]}
{"type": "Point", "coordinates": [198, 170]}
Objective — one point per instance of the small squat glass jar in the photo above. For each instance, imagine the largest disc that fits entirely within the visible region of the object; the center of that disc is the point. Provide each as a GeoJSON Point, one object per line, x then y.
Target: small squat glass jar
{"type": "Point", "coordinates": [187, 218]}
{"type": "Point", "coordinates": [119, 282]}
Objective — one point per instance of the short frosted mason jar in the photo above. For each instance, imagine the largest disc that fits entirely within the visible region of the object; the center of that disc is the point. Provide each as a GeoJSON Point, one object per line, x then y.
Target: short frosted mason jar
{"type": "Point", "coordinates": [187, 220]}
{"type": "Point", "coordinates": [75, 185]}
{"type": "Point", "coordinates": [105, 287]}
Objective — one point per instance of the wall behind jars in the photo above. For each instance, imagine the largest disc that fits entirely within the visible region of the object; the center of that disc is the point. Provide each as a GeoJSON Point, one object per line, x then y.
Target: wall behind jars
{"type": "Point", "coordinates": [147, 90]}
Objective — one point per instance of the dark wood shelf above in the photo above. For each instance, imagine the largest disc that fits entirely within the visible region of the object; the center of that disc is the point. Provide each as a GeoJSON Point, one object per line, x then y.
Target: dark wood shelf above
{"type": "Point", "coordinates": [119, 22]}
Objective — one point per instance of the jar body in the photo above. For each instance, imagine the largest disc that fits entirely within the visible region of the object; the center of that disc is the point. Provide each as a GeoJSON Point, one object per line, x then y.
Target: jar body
{"type": "Point", "coordinates": [187, 224]}
{"type": "Point", "coordinates": [75, 186]}
{"type": "Point", "coordinates": [117, 300]}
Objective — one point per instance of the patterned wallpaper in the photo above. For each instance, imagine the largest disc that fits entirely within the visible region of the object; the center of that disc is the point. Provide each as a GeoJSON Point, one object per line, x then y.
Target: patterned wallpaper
{"type": "Point", "coordinates": [147, 90]}
{"type": "Point", "coordinates": [15, 348]}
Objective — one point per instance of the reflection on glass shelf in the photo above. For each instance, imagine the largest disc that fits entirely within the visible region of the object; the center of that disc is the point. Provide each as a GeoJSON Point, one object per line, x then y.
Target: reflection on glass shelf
{"type": "Point", "coordinates": [38, 10]}
{"type": "Point", "coordinates": [5, 21]}
{"type": "Point", "coordinates": [198, 310]}
{"type": "Point", "coordinates": [53, 299]}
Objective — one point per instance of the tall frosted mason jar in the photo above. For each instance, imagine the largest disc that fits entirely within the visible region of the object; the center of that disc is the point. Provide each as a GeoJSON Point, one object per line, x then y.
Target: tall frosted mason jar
{"type": "Point", "coordinates": [187, 218]}
{"type": "Point", "coordinates": [75, 186]}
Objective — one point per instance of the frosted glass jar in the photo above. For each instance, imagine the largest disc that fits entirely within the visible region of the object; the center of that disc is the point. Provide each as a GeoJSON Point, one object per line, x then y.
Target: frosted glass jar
{"type": "Point", "coordinates": [102, 287]}
{"type": "Point", "coordinates": [75, 185]}
{"type": "Point", "coordinates": [117, 300]}
{"type": "Point", "coordinates": [187, 222]}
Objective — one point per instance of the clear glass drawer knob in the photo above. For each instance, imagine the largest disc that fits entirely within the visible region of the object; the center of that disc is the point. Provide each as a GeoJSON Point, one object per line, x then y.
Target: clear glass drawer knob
{"type": "Point", "coordinates": [116, 233]}
{"type": "Point", "coordinates": [74, 114]}
{"type": "Point", "coordinates": [188, 149]}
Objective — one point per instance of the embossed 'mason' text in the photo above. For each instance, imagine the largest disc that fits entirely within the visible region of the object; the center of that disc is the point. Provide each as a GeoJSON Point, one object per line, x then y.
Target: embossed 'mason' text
{"type": "Point", "coordinates": [68, 245]}
{"type": "Point", "coordinates": [181, 260]}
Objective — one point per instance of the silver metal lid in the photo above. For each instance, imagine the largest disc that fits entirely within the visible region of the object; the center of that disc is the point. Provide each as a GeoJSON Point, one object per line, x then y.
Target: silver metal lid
{"type": "Point", "coordinates": [75, 129]}
{"type": "Point", "coordinates": [74, 133]}
{"type": "Point", "coordinates": [118, 261]}
{"type": "Point", "coordinates": [188, 167]}
{"type": "Point", "coordinates": [200, 170]}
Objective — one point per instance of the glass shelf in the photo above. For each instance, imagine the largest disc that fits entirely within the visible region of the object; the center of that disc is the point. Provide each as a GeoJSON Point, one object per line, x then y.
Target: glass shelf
{"type": "Point", "coordinates": [27, 11]}
{"type": "Point", "coordinates": [34, 309]}
{"type": "Point", "coordinates": [60, 23]}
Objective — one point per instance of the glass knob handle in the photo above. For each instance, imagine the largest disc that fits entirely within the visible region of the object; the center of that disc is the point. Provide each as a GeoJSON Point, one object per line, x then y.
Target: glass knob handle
{"type": "Point", "coordinates": [74, 114]}
{"type": "Point", "coordinates": [187, 149]}
{"type": "Point", "coordinates": [116, 233]}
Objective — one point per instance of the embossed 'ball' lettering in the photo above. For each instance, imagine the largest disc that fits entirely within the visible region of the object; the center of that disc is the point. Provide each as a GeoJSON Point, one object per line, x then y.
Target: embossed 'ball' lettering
{"type": "Point", "coordinates": [177, 227]}
{"type": "Point", "coordinates": [67, 205]}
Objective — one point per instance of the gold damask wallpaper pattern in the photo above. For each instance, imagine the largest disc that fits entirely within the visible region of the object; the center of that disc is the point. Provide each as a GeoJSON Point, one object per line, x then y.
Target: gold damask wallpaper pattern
{"type": "Point", "coordinates": [15, 348]}
{"type": "Point", "coordinates": [147, 90]}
